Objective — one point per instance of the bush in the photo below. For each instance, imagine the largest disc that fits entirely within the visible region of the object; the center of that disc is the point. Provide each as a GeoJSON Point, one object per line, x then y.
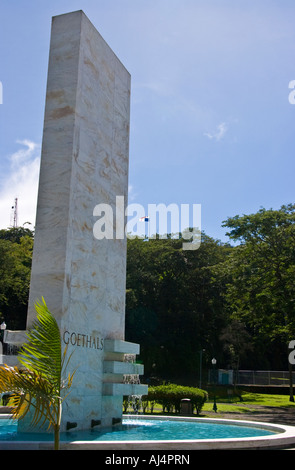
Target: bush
{"type": "Point", "coordinates": [170, 396]}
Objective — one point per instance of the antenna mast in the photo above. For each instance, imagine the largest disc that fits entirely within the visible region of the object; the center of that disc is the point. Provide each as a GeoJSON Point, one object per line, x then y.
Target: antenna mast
{"type": "Point", "coordinates": [15, 213]}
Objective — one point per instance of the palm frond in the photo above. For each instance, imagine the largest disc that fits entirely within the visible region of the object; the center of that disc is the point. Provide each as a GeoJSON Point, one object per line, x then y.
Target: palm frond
{"type": "Point", "coordinates": [29, 390]}
{"type": "Point", "coordinates": [42, 352]}
{"type": "Point", "coordinates": [39, 388]}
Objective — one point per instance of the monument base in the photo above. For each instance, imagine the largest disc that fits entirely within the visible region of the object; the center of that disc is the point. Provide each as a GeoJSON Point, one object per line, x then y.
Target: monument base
{"type": "Point", "coordinates": [105, 409]}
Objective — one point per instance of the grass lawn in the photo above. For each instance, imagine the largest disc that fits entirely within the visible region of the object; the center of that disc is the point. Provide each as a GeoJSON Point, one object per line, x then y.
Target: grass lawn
{"type": "Point", "coordinates": [248, 403]}
{"type": "Point", "coordinates": [264, 399]}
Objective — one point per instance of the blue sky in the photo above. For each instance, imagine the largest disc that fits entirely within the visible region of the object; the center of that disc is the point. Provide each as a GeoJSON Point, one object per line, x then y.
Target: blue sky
{"type": "Point", "coordinates": [211, 122]}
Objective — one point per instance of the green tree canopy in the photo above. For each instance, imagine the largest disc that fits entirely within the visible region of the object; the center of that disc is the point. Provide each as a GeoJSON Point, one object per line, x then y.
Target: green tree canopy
{"type": "Point", "coordinates": [16, 247]}
{"type": "Point", "coordinates": [260, 274]}
{"type": "Point", "coordinates": [173, 309]}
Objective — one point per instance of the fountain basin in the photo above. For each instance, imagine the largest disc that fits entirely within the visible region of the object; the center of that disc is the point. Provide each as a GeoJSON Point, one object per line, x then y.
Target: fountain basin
{"type": "Point", "coordinates": [279, 436]}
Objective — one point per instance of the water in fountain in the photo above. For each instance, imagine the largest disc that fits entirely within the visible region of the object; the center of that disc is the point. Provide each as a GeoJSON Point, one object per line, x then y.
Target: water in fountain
{"type": "Point", "coordinates": [134, 401]}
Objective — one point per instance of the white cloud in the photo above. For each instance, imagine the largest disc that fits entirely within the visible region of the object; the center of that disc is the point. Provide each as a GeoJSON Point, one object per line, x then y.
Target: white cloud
{"type": "Point", "coordinates": [21, 182]}
{"type": "Point", "coordinates": [220, 132]}
{"type": "Point", "coordinates": [131, 193]}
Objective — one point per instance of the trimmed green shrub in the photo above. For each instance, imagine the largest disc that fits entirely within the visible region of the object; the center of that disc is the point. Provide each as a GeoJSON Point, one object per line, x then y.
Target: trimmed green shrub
{"type": "Point", "coordinates": [170, 396]}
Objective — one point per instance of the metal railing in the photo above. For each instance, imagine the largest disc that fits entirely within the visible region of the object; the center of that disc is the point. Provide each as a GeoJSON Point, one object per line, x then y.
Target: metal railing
{"type": "Point", "coordinates": [250, 377]}
{"type": "Point", "coordinates": [263, 377]}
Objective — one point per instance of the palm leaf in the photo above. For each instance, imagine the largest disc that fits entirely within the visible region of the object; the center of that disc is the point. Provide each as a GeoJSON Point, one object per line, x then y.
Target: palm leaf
{"type": "Point", "coordinates": [42, 352]}
{"type": "Point", "coordinates": [29, 390]}
{"type": "Point", "coordinates": [40, 385]}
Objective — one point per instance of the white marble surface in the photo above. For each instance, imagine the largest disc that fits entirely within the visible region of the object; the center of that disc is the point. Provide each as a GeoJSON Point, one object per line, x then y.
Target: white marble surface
{"type": "Point", "coordinates": [84, 163]}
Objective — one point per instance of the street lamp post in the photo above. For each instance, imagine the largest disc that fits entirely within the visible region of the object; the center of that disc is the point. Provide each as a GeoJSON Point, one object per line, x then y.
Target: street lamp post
{"type": "Point", "coordinates": [2, 327]}
{"type": "Point", "coordinates": [201, 355]}
{"type": "Point", "coordinates": [214, 373]}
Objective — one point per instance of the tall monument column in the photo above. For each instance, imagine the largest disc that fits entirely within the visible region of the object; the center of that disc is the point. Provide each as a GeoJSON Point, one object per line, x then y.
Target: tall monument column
{"type": "Point", "coordinates": [84, 162]}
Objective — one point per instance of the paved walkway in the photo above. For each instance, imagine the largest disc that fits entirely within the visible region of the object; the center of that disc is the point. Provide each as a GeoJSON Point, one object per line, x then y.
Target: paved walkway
{"type": "Point", "coordinates": [269, 414]}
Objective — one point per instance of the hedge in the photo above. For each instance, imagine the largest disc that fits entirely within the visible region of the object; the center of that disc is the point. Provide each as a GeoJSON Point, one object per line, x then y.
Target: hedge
{"type": "Point", "coordinates": [170, 396]}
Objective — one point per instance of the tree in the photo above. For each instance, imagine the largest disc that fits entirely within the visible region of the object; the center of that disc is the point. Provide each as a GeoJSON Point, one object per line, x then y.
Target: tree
{"type": "Point", "coordinates": [237, 343]}
{"type": "Point", "coordinates": [40, 386]}
{"type": "Point", "coordinates": [16, 248]}
{"type": "Point", "coordinates": [260, 290]}
{"type": "Point", "coordinates": [15, 234]}
{"type": "Point", "coordinates": [173, 306]}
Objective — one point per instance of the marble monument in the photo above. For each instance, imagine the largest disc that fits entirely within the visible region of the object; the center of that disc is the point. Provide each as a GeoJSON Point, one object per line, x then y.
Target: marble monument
{"type": "Point", "coordinates": [84, 162]}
